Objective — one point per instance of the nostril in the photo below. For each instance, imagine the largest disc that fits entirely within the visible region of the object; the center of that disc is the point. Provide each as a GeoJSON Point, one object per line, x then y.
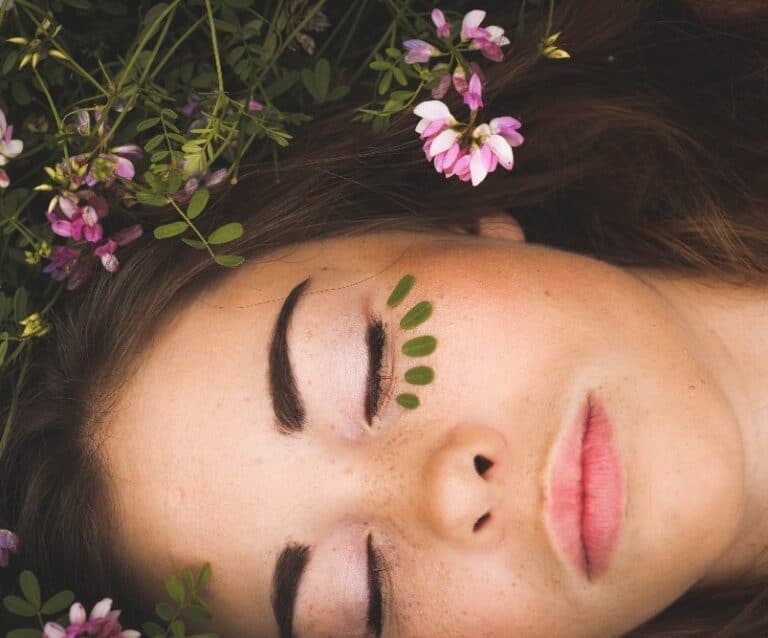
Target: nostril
{"type": "Point", "coordinates": [481, 521]}
{"type": "Point", "coordinates": [482, 464]}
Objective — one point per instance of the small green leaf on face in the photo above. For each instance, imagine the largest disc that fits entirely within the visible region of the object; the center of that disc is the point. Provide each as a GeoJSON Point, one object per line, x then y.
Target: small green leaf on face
{"type": "Point", "coordinates": [416, 315]}
{"type": "Point", "coordinates": [420, 375]}
{"type": "Point", "coordinates": [410, 401]}
{"type": "Point", "coordinates": [401, 290]}
{"type": "Point", "coordinates": [420, 346]}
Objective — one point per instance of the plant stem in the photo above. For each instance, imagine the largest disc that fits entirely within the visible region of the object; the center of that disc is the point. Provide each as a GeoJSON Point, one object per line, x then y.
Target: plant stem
{"type": "Point", "coordinates": [54, 110]}
{"type": "Point", "coordinates": [216, 56]}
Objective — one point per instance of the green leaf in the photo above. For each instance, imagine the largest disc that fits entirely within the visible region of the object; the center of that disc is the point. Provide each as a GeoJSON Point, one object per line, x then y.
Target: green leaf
{"type": "Point", "coordinates": [20, 607]}
{"type": "Point", "coordinates": [198, 202]}
{"type": "Point", "coordinates": [282, 84]}
{"type": "Point", "coordinates": [170, 230]}
{"type": "Point", "coordinates": [420, 375]}
{"type": "Point", "coordinates": [20, 304]}
{"type": "Point", "coordinates": [420, 346]}
{"type": "Point", "coordinates": [399, 76]}
{"type": "Point", "coordinates": [58, 602]}
{"type": "Point", "coordinates": [169, 114]}
{"type": "Point", "coordinates": [230, 261]}
{"type": "Point", "coordinates": [385, 82]}
{"type": "Point", "coordinates": [380, 65]}
{"type": "Point", "coordinates": [338, 93]}
{"type": "Point", "coordinates": [178, 629]}
{"type": "Point", "coordinates": [174, 182]}
{"type": "Point", "coordinates": [196, 612]}
{"type": "Point", "coordinates": [151, 629]}
{"type": "Point", "coordinates": [235, 54]}
{"type": "Point", "coordinates": [416, 315]}
{"type": "Point", "coordinates": [159, 156]}
{"type": "Point", "coordinates": [148, 123]}
{"type": "Point", "coordinates": [186, 574]}
{"type": "Point", "coordinates": [226, 233]}
{"type": "Point", "coordinates": [203, 576]}
{"type": "Point", "coordinates": [79, 4]}
{"type": "Point", "coordinates": [392, 52]}
{"type": "Point", "coordinates": [322, 78]}
{"type": "Point", "coordinates": [308, 79]}
{"type": "Point", "coordinates": [195, 243]}
{"type": "Point", "coordinates": [410, 401]}
{"type": "Point", "coordinates": [164, 611]}
{"type": "Point", "coordinates": [402, 288]}
{"type": "Point", "coordinates": [3, 306]}
{"type": "Point", "coordinates": [151, 199]}
{"type": "Point", "coordinates": [154, 142]}
{"type": "Point", "coordinates": [175, 588]}
{"type": "Point", "coordinates": [3, 350]}
{"type": "Point", "coordinates": [9, 62]}
{"type": "Point", "coordinates": [23, 633]}
{"type": "Point", "coordinates": [30, 587]}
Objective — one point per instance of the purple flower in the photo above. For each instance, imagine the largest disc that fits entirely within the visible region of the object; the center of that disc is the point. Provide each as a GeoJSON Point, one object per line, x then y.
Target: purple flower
{"type": "Point", "coordinates": [473, 96]}
{"type": "Point", "coordinates": [106, 252]}
{"type": "Point", "coordinates": [102, 623]}
{"type": "Point", "coordinates": [419, 51]}
{"type": "Point", "coordinates": [191, 106]}
{"type": "Point", "coordinates": [8, 148]}
{"type": "Point", "coordinates": [9, 543]}
{"type": "Point", "coordinates": [254, 105]}
{"type": "Point", "coordinates": [441, 88]}
{"type": "Point", "coordinates": [488, 40]}
{"type": "Point", "coordinates": [443, 27]}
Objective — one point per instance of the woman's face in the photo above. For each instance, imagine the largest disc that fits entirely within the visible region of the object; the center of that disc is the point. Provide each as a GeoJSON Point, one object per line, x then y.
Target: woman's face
{"type": "Point", "coordinates": [454, 494]}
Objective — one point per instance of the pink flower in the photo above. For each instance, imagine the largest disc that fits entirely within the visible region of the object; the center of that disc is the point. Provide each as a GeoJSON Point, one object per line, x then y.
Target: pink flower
{"type": "Point", "coordinates": [8, 147]}
{"type": "Point", "coordinates": [419, 51]}
{"type": "Point", "coordinates": [436, 127]}
{"type": "Point", "coordinates": [191, 106]}
{"type": "Point", "coordinates": [82, 211]}
{"type": "Point", "coordinates": [473, 97]}
{"type": "Point", "coordinates": [255, 105]}
{"type": "Point", "coordinates": [460, 80]}
{"type": "Point", "coordinates": [5, 181]}
{"type": "Point", "coordinates": [106, 252]}
{"type": "Point", "coordinates": [443, 27]}
{"type": "Point", "coordinates": [507, 127]}
{"type": "Point", "coordinates": [102, 623]}
{"type": "Point", "coordinates": [9, 543]}
{"type": "Point", "coordinates": [488, 40]}
{"type": "Point", "coordinates": [62, 259]}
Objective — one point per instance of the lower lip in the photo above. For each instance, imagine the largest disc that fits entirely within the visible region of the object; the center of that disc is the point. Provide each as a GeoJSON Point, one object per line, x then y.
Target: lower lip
{"type": "Point", "coordinates": [586, 492]}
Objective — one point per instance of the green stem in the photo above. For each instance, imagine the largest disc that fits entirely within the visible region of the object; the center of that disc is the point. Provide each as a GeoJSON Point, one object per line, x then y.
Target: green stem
{"type": "Point", "coordinates": [132, 62]}
{"type": "Point", "coordinates": [54, 110]}
{"type": "Point", "coordinates": [289, 39]}
{"type": "Point", "coordinates": [549, 18]}
{"type": "Point", "coordinates": [216, 56]}
{"type": "Point", "coordinates": [175, 46]}
{"type": "Point", "coordinates": [191, 225]}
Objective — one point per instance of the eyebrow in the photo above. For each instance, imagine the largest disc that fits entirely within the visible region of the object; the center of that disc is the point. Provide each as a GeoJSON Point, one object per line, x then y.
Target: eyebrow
{"type": "Point", "coordinates": [289, 568]}
{"type": "Point", "coordinates": [286, 400]}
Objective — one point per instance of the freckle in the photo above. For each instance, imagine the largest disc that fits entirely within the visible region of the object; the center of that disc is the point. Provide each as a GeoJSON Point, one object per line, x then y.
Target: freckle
{"type": "Point", "coordinates": [547, 293]}
{"type": "Point", "coordinates": [691, 387]}
{"type": "Point", "coordinates": [347, 471]}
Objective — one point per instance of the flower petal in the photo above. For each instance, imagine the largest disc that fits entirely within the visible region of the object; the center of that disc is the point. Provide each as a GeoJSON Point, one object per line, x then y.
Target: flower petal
{"type": "Point", "coordinates": [443, 142]}
{"type": "Point", "coordinates": [433, 110]}
{"type": "Point", "coordinates": [477, 167]}
{"type": "Point", "coordinates": [76, 614]}
{"type": "Point", "coordinates": [53, 629]}
{"type": "Point", "coordinates": [471, 20]}
{"type": "Point", "coordinates": [101, 609]}
{"type": "Point", "coordinates": [12, 148]}
{"type": "Point", "coordinates": [502, 150]}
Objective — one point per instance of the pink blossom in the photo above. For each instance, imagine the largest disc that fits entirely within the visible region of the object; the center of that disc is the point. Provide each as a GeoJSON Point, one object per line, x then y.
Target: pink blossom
{"type": "Point", "coordinates": [81, 214]}
{"type": "Point", "coordinates": [191, 106]}
{"type": "Point", "coordinates": [208, 178]}
{"type": "Point", "coordinates": [106, 252]}
{"type": "Point", "coordinates": [62, 259]}
{"type": "Point", "coordinates": [460, 80]}
{"type": "Point", "coordinates": [9, 543]}
{"type": "Point", "coordinates": [488, 40]}
{"type": "Point", "coordinates": [435, 127]}
{"type": "Point", "coordinates": [419, 51]}
{"type": "Point", "coordinates": [254, 106]}
{"type": "Point", "coordinates": [9, 147]}
{"type": "Point", "coordinates": [443, 27]}
{"type": "Point", "coordinates": [102, 623]}
{"type": "Point", "coordinates": [5, 181]}
{"type": "Point", "coordinates": [473, 97]}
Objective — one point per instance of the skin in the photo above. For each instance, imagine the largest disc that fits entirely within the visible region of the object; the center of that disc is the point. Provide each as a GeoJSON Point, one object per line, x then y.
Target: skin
{"type": "Point", "coordinates": [524, 333]}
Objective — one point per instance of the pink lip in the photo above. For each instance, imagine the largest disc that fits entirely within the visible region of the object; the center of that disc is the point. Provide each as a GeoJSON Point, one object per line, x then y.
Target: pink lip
{"type": "Point", "coordinates": [586, 494]}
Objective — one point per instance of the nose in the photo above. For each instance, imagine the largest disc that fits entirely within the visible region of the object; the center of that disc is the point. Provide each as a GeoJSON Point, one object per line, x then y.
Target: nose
{"type": "Point", "coordinates": [462, 488]}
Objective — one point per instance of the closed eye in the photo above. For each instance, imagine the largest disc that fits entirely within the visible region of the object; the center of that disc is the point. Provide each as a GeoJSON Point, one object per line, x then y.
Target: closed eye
{"type": "Point", "coordinates": [375, 339]}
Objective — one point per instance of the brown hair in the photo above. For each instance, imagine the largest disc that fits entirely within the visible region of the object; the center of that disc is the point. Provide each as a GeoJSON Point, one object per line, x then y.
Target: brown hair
{"type": "Point", "coordinates": [649, 147]}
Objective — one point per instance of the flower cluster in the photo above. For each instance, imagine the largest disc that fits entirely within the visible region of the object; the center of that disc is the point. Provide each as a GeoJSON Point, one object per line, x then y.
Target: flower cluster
{"type": "Point", "coordinates": [467, 150]}
{"type": "Point", "coordinates": [102, 622]}
{"type": "Point", "coordinates": [78, 208]}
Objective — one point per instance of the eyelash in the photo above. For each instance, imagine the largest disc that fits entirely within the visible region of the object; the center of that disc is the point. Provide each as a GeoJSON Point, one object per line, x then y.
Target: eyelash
{"type": "Point", "coordinates": [376, 342]}
{"type": "Point", "coordinates": [378, 570]}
